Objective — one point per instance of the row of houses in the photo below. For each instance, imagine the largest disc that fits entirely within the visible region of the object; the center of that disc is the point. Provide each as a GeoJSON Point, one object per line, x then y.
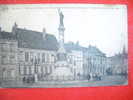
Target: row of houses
{"type": "Point", "coordinates": [24, 52]}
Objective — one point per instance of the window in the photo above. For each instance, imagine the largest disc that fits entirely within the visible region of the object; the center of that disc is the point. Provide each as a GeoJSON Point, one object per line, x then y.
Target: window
{"type": "Point", "coordinates": [30, 70]}
{"type": "Point", "coordinates": [25, 70]}
{"type": "Point", "coordinates": [47, 57]}
{"type": "Point", "coordinates": [38, 58]}
{"type": "Point", "coordinates": [31, 57]}
{"type": "Point", "coordinates": [43, 58]}
{"type": "Point", "coordinates": [52, 58]}
{"type": "Point", "coordinates": [12, 47]}
{"type": "Point", "coordinates": [39, 69]}
{"type": "Point", "coordinates": [4, 60]}
{"type": "Point", "coordinates": [4, 47]}
{"type": "Point", "coordinates": [74, 63]}
{"type": "Point", "coordinates": [20, 71]}
{"type": "Point", "coordinates": [26, 56]}
{"type": "Point", "coordinates": [70, 59]}
{"type": "Point", "coordinates": [44, 70]}
{"type": "Point", "coordinates": [48, 69]}
{"type": "Point", "coordinates": [12, 59]}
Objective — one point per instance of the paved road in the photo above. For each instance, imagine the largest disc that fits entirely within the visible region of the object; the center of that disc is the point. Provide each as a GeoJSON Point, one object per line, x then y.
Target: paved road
{"type": "Point", "coordinates": [106, 81]}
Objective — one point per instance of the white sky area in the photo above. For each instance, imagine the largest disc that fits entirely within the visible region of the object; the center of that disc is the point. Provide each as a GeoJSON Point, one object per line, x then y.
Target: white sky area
{"type": "Point", "coordinates": [103, 26]}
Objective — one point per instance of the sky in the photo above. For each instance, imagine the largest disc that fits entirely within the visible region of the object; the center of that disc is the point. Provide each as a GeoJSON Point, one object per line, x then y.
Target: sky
{"type": "Point", "coordinates": [103, 26]}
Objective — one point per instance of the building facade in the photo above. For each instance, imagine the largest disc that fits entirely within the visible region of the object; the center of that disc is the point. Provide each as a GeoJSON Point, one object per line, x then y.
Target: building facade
{"type": "Point", "coordinates": [8, 57]}
{"type": "Point", "coordinates": [75, 58]}
{"type": "Point", "coordinates": [118, 63]}
{"type": "Point", "coordinates": [96, 62]}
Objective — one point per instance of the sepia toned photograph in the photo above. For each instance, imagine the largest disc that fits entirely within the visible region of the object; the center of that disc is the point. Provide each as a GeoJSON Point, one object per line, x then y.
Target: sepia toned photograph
{"type": "Point", "coordinates": [63, 45]}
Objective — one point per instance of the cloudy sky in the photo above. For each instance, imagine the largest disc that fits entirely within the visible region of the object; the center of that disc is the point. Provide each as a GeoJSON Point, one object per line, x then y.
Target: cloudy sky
{"type": "Point", "coordinates": [104, 26]}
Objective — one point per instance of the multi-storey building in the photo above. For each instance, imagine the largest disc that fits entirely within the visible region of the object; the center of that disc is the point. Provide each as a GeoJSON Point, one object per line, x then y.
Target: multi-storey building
{"type": "Point", "coordinates": [96, 62]}
{"type": "Point", "coordinates": [8, 56]}
{"type": "Point", "coordinates": [90, 61]}
{"type": "Point", "coordinates": [118, 63]}
{"type": "Point", "coordinates": [37, 52]}
{"type": "Point", "coordinates": [26, 53]}
{"type": "Point", "coordinates": [75, 57]}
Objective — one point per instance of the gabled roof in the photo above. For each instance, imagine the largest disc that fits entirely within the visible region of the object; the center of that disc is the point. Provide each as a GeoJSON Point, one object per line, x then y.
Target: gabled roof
{"type": "Point", "coordinates": [34, 40]}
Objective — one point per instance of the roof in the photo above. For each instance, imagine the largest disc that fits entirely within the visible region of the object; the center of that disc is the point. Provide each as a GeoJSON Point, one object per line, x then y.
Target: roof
{"type": "Point", "coordinates": [71, 46]}
{"type": "Point", "coordinates": [34, 40]}
{"type": "Point", "coordinates": [95, 51]}
{"type": "Point", "coordinates": [119, 56]}
{"type": "Point", "coordinates": [31, 39]}
{"type": "Point", "coordinates": [7, 35]}
{"type": "Point", "coordinates": [91, 50]}
{"type": "Point", "coordinates": [61, 50]}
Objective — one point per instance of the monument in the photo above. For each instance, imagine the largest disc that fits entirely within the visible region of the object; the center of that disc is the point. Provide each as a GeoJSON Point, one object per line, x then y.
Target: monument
{"type": "Point", "coordinates": [62, 67]}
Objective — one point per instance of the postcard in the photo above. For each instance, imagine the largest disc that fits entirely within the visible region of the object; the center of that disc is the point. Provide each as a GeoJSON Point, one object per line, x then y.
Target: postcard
{"type": "Point", "coordinates": [63, 45]}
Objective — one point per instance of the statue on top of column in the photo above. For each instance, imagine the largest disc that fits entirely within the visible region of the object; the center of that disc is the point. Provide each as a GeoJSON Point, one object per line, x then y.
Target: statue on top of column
{"type": "Point", "coordinates": [61, 17]}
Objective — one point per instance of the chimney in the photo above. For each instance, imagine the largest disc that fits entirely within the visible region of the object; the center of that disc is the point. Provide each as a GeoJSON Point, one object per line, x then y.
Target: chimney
{"type": "Point", "coordinates": [44, 33]}
{"type": "Point", "coordinates": [77, 43]}
{"type": "Point", "coordinates": [14, 28]}
{"type": "Point", "coordinates": [0, 29]}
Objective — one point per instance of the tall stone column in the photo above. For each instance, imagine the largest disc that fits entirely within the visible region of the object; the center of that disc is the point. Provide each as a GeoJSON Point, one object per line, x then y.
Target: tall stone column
{"type": "Point", "coordinates": [61, 29]}
{"type": "Point", "coordinates": [61, 55]}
